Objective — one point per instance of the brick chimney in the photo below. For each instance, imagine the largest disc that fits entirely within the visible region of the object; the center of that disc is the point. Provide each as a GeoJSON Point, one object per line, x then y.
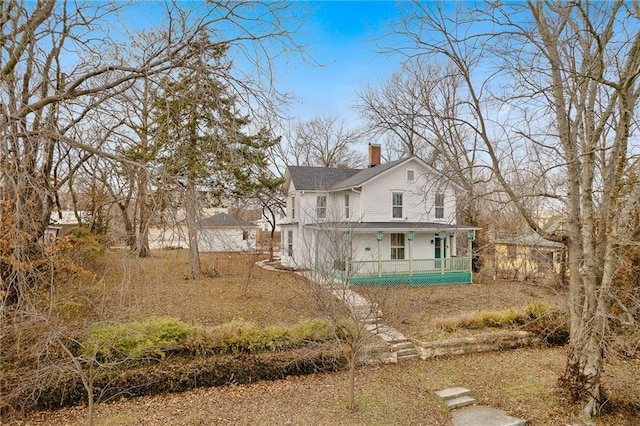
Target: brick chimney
{"type": "Point", "coordinates": [374, 155]}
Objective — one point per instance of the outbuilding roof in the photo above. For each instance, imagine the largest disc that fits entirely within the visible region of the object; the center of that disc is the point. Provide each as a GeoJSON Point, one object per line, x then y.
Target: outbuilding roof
{"type": "Point", "coordinates": [223, 220]}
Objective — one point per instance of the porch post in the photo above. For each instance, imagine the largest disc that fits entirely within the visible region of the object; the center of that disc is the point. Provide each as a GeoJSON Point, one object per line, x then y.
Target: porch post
{"type": "Point", "coordinates": [379, 238]}
{"type": "Point", "coordinates": [410, 237]}
{"type": "Point", "coordinates": [443, 238]}
{"type": "Point", "coordinates": [347, 261]}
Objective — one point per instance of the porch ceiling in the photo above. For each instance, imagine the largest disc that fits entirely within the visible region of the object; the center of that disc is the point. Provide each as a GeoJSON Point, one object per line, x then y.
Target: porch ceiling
{"type": "Point", "coordinates": [399, 226]}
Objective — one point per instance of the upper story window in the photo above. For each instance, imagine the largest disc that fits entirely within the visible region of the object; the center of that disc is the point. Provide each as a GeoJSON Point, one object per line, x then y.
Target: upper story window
{"type": "Point", "coordinates": [347, 207]}
{"type": "Point", "coordinates": [396, 201]}
{"type": "Point", "coordinates": [410, 175]}
{"type": "Point", "coordinates": [397, 246]}
{"type": "Point", "coordinates": [293, 207]}
{"type": "Point", "coordinates": [321, 207]}
{"type": "Point", "coordinates": [440, 205]}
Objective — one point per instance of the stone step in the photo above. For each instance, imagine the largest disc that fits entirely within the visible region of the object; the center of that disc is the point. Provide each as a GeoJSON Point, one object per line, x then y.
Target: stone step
{"type": "Point", "coordinates": [454, 392]}
{"type": "Point", "coordinates": [406, 351]}
{"type": "Point", "coordinates": [403, 345]}
{"type": "Point", "coordinates": [407, 357]}
{"type": "Point", "coordinates": [461, 401]}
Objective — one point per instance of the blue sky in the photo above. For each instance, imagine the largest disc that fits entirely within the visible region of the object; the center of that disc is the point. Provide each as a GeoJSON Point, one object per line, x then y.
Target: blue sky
{"type": "Point", "coordinates": [340, 35]}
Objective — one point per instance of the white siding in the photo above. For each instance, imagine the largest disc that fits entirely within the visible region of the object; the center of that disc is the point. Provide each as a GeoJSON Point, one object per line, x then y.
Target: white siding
{"type": "Point", "coordinates": [418, 196]}
{"type": "Point", "coordinates": [209, 239]}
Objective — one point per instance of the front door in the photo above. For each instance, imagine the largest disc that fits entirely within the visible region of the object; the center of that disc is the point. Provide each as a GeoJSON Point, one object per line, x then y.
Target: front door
{"type": "Point", "coordinates": [439, 255]}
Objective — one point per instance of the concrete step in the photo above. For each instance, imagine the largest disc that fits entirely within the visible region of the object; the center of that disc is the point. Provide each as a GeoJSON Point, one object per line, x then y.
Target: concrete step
{"type": "Point", "coordinates": [454, 392]}
{"type": "Point", "coordinates": [461, 401]}
{"type": "Point", "coordinates": [474, 416]}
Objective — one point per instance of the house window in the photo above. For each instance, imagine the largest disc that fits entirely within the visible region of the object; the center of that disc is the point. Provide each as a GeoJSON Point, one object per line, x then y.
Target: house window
{"type": "Point", "coordinates": [410, 175]}
{"type": "Point", "coordinates": [511, 251]}
{"type": "Point", "coordinates": [293, 207]}
{"type": "Point", "coordinates": [440, 206]}
{"type": "Point", "coordinates": [321, 207]}
{"type": "Point", "coordinates": [290, 243]}
{"type": "Point", "coordinates": [245, 235]}
{"type": "Point", "coordinates": [347, 211]}
{"type": "Point", "coordinates": [397, 246]}
{"type": "Point", "coordinates": [397, 205]}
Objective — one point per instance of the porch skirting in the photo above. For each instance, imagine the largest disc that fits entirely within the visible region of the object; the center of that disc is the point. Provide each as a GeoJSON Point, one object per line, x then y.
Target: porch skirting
{"type": "Point", "coordinates": [416, 279]}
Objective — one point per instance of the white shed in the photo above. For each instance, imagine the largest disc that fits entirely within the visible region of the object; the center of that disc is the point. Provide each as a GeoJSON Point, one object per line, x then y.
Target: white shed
{"type": "Point", "coordinates": [219, 232]}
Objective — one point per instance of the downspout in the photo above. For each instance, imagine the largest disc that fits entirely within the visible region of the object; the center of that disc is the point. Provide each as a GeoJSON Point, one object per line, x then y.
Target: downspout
{"type": "Point", "coordinates": [359, 220]}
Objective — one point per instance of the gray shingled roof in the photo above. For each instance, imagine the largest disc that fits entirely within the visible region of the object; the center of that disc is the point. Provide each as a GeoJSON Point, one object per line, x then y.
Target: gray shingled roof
{"type": "Point", "coordinates": [318, 178]}
{"type": "Point", "coordinates": [220, 220]}
{"type": "Point", "coordinates": [325, 178]}
{"type": "Point", "coordinates": [364, 175]}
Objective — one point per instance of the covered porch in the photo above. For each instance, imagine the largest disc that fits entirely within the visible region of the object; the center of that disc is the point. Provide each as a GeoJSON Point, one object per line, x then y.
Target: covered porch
{"type": "Point", "coordinates": [401, 253]}
{"type": "Point", "coordinates": [455, 270]}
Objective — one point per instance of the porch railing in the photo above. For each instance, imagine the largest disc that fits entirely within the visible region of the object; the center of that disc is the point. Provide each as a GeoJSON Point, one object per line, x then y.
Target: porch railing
{"type": "Point", "coordinates": [369, 268]}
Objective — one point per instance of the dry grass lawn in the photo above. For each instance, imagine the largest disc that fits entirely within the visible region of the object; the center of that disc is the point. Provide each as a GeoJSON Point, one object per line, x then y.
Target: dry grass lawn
{"type": "Point", "coordinates": [522, 382]}
{"type": "Point", "coordinates": [158, 286]}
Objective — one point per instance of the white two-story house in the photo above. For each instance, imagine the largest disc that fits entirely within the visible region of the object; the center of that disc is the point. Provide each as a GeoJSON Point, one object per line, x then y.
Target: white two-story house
{"type": "Point", "coordinates": [392, 223]}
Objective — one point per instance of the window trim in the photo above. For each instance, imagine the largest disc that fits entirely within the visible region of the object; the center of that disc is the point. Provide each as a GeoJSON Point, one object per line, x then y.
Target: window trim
{"type": "Point", "coordinates": [395, 206]}
{"type": "Point", "coordinates": [397, 249]}
{"type": "Point", "coordinates": [321, 208]}
{"type": "Point", "coordinates": [290, 243]}
{"type": "Point", "coordinates": [347, 207]}
{"type": "Point", "coordinates": [439, 205]}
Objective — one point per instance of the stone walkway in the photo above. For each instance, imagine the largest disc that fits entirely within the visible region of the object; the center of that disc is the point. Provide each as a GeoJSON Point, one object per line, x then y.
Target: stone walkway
{"type": "Point", "coordinates": [367, 312]}
{"type": "Point", "coordinates": [464, 413]}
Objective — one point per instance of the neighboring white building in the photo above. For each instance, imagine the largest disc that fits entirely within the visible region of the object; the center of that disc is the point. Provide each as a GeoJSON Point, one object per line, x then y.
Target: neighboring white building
{"type": "Point", "coordinates": [219, 232]}
{"type": "Point", "coordinates": [62, 222]}
{"type": "Point", "coordinates": [388, 223]}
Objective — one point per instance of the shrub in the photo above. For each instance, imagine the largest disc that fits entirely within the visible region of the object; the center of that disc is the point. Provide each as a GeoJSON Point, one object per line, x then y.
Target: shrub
{"type": "Point", "coordinates": [537, 310]}
{"type": "Point", "coordinates": [551, 324]}
{"type": "Point", "coordinates": [156, 337]}
{"type": "Point", "coordinates": [482, 319]}
{"type": "Point", "coordinates": [151, 338]}
{"type": "Point", "coordinates": [243, 336]}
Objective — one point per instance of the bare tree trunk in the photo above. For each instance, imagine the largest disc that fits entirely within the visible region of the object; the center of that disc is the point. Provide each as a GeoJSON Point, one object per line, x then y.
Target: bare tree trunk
{"type": "Point", "coordinates": [192, 229]}
{"type": "Point", "coordinates": [351, 386]}
{"type": "Point", "coordinates": [142, 238]}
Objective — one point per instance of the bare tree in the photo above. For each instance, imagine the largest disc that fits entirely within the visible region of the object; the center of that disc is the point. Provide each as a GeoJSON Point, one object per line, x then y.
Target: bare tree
{"type": "Point", "coordinates": [551, 91]}
{"type": "Point", "coordinates": [327, 252]}
{"type": "Point", "coordinates": [418, 110]}
{"type": "Point", "coordinates": [60, 65]}
{"type": "Point", "coordinates": [324, 141]}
